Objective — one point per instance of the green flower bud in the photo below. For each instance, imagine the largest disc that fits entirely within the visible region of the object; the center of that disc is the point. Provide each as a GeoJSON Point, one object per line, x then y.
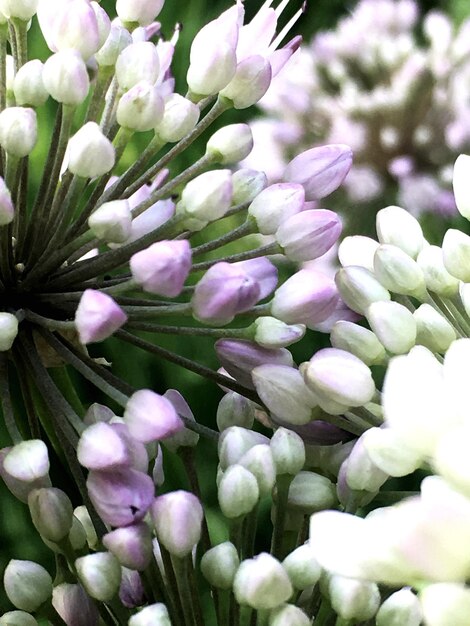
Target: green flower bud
{"type": "Point", "coordinates": [247, 184]}
{"type": "Point", "coordinates": [359, 341]}
{"type": "Point", "coordinates": [354, 599]}
{"type": "Point", "coordinates": [437, 278]}
{"type": "Point", "coordinates": [17, 618]}
{"type": "Point", "coordinates": [262, 583]}
{"type": "Point", "coordinates": [219, 565]}
{"type": "Point", "coordinates": [152, 615]}
{"type": "Point", "coordinates": [402, 608]}
{"type": "Point", "coordinates": [100, 574]}
{"type": "Point", "coordinates": [302, 567]}
{"type": "Point", "coordinates": [456, 254]}
{"type": "Point", "coordinates": [259, 461]}
{"type": "Point", "coordinates": [51, 512]}
{"type": "Point", "coordinates": [433, 330]}
{"type": "Point", "coordinates": [398, 272]}
{"type": "Point", "coordinates": [238, 492]}
{"type": "Point", "coordinates": [81, 513]}
{"type": "Point", "coordinates": [230, 144]}
{"type": "Point", "coordinates": [235, 410]}
{"type": "Point", "coordinates": [289, 615]}
{"type": "Point", "coordinates": [288, 450]}
{"type": "Point", "coordinates": [310, 492]}
{"type": "Point", "coordinates": [359, 288]}
{"type": "Point", "coordinates": [27, 584]}
{"type": "Point", "coordinates": [394, 326]}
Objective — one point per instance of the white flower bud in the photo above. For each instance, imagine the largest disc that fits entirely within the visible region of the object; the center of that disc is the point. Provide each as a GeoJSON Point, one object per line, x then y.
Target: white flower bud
{"type": "Point", "coordinates": [460, 182]}
{"type": "Point", "coordinates": [238, 492]}
{"type": "Point", "coordinates": [28, 85]}
{"type": "Point", "coordinates": [100, 575]}
{"type": "Point", "coordinates": [359, 341]}
{"type": "Point", "coordinates": [433, 330]}
{"type": "Point", "coordinates": [275, 204]}
{"type": "Point", "coordinates": [464, 291]}
{"type": "Point", "coordinates": [234, 442]}
{"type": "Point", "coordinates": [288, 615]}
{"type": "Point", "coordinates": [151, 615]}
{"type": "Point", "coordinates": [206, 198]}
{"type": "Point", "coordinates": [27, 584]}
{"type": "Point", "coordinates": [398, 272]}
{"type": "Point", "coordinates": [8, 330]}
{"type": "Point", "coordinates": [76, 28]}
{"type": "Point", "coordinates": [262, 583]}
{"type": "Point", "coordinates": [18, 130]}
{"type": "Point", "coordinates": [399, 228]}
{"type": "Point", "coordinates": [118, 39]}
{"type": "Point", "coordinates": [259, 461]}
{"type": "Point", "coordinates": [27, 461]}
{"type": "Point", "coordinates": [456, 254]}
{"type": "Point", "coordinates": [235, 410]}
{"type": "Point", "coordinates": [247, 184]}
{"type": "Point", "coordinates": [180, 116]}
{"type": "Point", "coordinates": [444, 604]}
{"type": "Point", "coordinates": [112, 221]}
{"type": "Point", "coordinates": [288, 450]}
{"type": "Point", "coordinates": [394, 326]}
{"type": "Point", "coordinates": [66, 78]}
{"type": "Point", "coordinates": [230, 144]}
{"type": "Point", "coordinates": [388, 451]}
{"type": "Point", "coordinates": [273, 333]}
{"type": "Point", "coordinates": [302, 567]}
{"type": "Point", "coordinates": [219, 565]}
{"type": "Point", "coordinates": [359, 288]}
{"type": "Point", "coordinates": [137, 62]}
{"type": "Point", "coordinates": [354, 599]}
{"type": "Point", "coordinates": [17, 618]}
{"type": "Point", "coordinates": [437, 278]}
{"type": "Point", "coordinates": [138, 11]}
{"type": "Point", "coordinates": [90, 153]}
{"type": "Point", "coordinates": [402, 608]}
{"type": "Point", "coordinates": [141, 108]}
{"type": "Point", "coordinates": [357, 250]}
{"type": "Point", "coordinates": [20, 9]}
{"type": "Point", "coordinates": [250, 83]}
{"type": "Point", "coordinates": [310, 492]}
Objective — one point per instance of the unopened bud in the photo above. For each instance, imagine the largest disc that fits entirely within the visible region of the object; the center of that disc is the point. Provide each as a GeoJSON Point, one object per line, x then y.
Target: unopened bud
{"type": "Point", "coordinates": [131, 545]}
{"type": "Point", "coordinates": [141, 108]}
{"type": "Point", "coordinates": [28, 85]}
{"type": "Point", "coordinates": [437, 278]}
{"type": "Point", "coordinates": [238, 492]}
{"type": "Point", "coordinates": [289, 615]}
{"type": "Point", "coordinates": [433, 330]}
{"type": "Point", "coordinates": [27, 584]}
{"type": "Point", "coordinates": [90, 153]}
{"type": "Point", "coordinates": [310, 492]}
{"type": "Point", "coordinates": [275, 204]}
{"type": "Point", "coordinates": [359, 341]}
{"type": "Point", "coordinates": [262, 583]}
{"type": "Point", "coordinates": [402, 608]}
{"type": "Point", "coordinates": [177, 519]}
{"type": "Point", "coordinates": [219, 565]}
{"type": "Point", "coordinates": [247, 184]}
{"type": "Point", "coordinates": [180, 116]}
{"type": "Point", "coordinates": [100, 574]}
{"type": "Point", "coordinates": [398, 272]}
{"type": "Point", "coordinates": [235, 410]}
{"type": "Point", "coordinates": [354, 599]}
{"type": "Point", "coordinates": [230, 144]}
{"type": "Point", "coordinates": [394, 326]}
{"type": "Point", "coordinates": [17, 618]}
{"type": "Point", "coordinates": [288, 451]}
{"type": "Point", "coordinates": [97, 316]}
{"type": "Point", "coordinates": [137, 62]}
{"type": "Point", "coordinates": [8, 330]}
{"type": "Point", "coordinates": [152, 615]}
{"type": "Point", "coordinates": [66, 78]}
{"type": "Point", "coordinates": [399, 228]}
{"type": "Point", "coordinates": [144, 13]}
{"type": "Point", "coordinates": [51, 512]}
{"type": "Point", "coordinates": [111, 221]}
{"type": "Point", "coordinates": [18, 130]}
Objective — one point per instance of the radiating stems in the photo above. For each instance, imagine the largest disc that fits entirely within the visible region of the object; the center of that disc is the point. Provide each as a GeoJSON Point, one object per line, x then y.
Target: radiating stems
{"type": "Point", "coordinates": [102, 82]}
{"type": "Point", "coordinates": [20, 49]}
{"type": "Point", "coordinates": [247, 228]}
{"type": "Point", "coordinates": [7, 407]}
{"type": "Point", "coordinates": [188, 457]}
{"type": "Point", "coordinates": [271, 248]}
{"type": "Point", "coordinates": [216, 333]}
{"type": "Point", "coordinates": [109, 107]}
{"type": "Point", "coordinates": [172, 586]}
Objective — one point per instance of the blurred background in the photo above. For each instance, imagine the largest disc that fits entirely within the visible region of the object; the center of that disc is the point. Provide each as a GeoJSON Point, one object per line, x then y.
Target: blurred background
{"type": "Point", "coordinates": [17, 540]}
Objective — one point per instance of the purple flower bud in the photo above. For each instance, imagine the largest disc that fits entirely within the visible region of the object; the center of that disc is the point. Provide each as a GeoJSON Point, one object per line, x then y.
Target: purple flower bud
{"type": "Point", "coordinates": [320, 170]}
{"type": "Point", "coordinates": [131, 545]}
{"type": "Point", "coordinates": [151, 417]}
{"type": "Point", "coordinates": [97, 413]}
{"type": "Point", "coordinates": [184, 437]}
{"type": "Point", "coordinates": [74, 605]}
{"type": "Point", "coordinates": [308, 297]}
{"type": "Point", "coordinates": [121, 497]}
{"type": "Point", "coordinates": [309, 234]}
{"type": "Point", "coordinates": [177, 518]}
{"type": "Point", "coordinates": [222, 292]}
{"type": "Point", "coordinates": [316, 433]}
{"type": "Point", "coordinates": [239, 358]}
{"type": "Point", "coordinates": [263, 271]}
{"type": "Point", "coordinates": [138, 457]}
{"type": "Point", "coordinates": [341, 312]}
{"type": "Point", "coordinates": [131, 589]}
{"type": "Point", "coordinates": [97, 316]}
{"type": "Point", "coordinates": [163, 267]}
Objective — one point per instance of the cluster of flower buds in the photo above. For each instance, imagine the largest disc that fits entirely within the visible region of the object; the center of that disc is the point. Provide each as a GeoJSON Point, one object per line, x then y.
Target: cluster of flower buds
{"type": "Point", "coordinates": [395, 86]}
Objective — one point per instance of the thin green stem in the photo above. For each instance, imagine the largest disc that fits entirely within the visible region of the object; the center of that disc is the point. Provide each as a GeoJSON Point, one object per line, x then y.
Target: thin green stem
{"type": "Point", "coordinates": [7, 407]}
{"type": "Point", "coordinates": [271, 248]}
{"type": "Point", "coordinates": [247, 228]}
{"type": "Point", "coordinates": [102, 82]}
{"type": "Point", "coordinates": [282, 485]}
{"type": "Point", "coordinates": [172, 586]}
{"type": "Point", "coordinates": [21, 46]}
{"type": "Point", "coordinates": [180, 567]}
{"type": "Point", "coordinates": [109, 107]}
{"type": "Point", "coordinates": [216, 333]}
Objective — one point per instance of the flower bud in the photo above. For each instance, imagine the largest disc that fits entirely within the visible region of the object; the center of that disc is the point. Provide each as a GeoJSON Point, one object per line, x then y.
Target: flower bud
{"type": "Point", "coordinates": [359, 341]}
{"type": "Point", "coordinates": [460, 184]}
{"type": "Point", "coordinates": [76, 27]}
{"type": "Point", "coordinates": [445, 603]}
{"type": "Point", "coordinates": [259, 461]}
{"type": "Point", "coordinates": [163, 267]}
{"type": "Point", "coordinates": [177, 519]}
{"type": "Point", "coordinates": [308, 234]}
{"type": "Point", "coordinates": [97, 316]}
{"type": "Point", "coordinates": [219, 565]}
{"type": "Point", "coordinates": [288, 615]}
{"type": "Point", "coordinates": [394, 326]}
{"type": "Point", "coordinates": [235, 410]}
{"type": "Point", "coordinates": [399, 228]}
{"type": "Point", "coordinates": [437, 278]}
{"type": "Point", "coordinates": [354, 599]}
{"type": "Point", "coordinates": [402, 608]}
{"type": "Point", "coordinates": [238, 492]}
{"type": "Point", "coordinates": [308, 297]}
{"type": "Point", "coordinates": [137, 62]}
{"type": "Point", "coordinates": [100, 575]}
{"type": "Point", "coordinates": [359, 288]}
{"type": "Point", "coordinates": [337, 375]}
{"type": "Point", "coordinates": [17, 618]}
{"type": "Point", "coordinates": [65, 77]}
{"type": "Point", "coordinates": [81, 513]}
{"type": "Point", "coordinates": [77, 535]}
{"type": "Point", "coordinates": [288, 451]}
{"type": "Point", "coordinates": [250, 83]}
{"type": "Point", "coordinates": [320, 170]}
{"type": "Point", "coordinates": [234, 442]}
{"type": "Point", "coordinates": [140, 108]}
{"type": "Point", "coordinates": [151, 615]}
{"type": "Point", "coordinates": [111, 221]}
{"type": "Point", "coordinates": [283, 390]}
{"type": "Point", "coordinates": [8, 330]}
{"type": "Point", "coordinates": [206, 198]}
{"type": "Point", "coordinates": [358, 250]}
{"type": "Point", "coordinates": [27, 584]}
{"type": "Point", "coordinates": [262, 583]}
{"type": "Point", "coordinates": [302, 567]}
{"type": "Point", "coordinates": [27, 461]}
{"type": "Point", "coordinates": [398, 272]}
{"type": "Point", "coordinates": [275, 204]}
{"type": "Point", "coordinates": [433, 330]}
{"type": "Point", "coordinates": [360, 472]}
{"type": "Point", "coordinates": [456, 254]}
{"type": "Point", "coordinates": [151, 417]}
{"type": "Point", "coordinates": [230, 144]}
{"type": "Point", "coordinates": [144, 13]}
{"type": "Point", "coordinates": [310, 492]}
{"type": "Point", "coordinates": [51, 512]}
{"type": "Point", "coordinates": [18, 131]}
{"type": "Point", "coordinates": [74, 605]}
{"type": "Point", "coordinates": [101, 448]}
{"type": "Point", "coordinates": [131, 589]}
{"type": "Point", "coordinates": [131, 545]}
{"type": "Point", "coordinates": [118, 39]}
{"type": "Point", "coordinates": [90, 153]}
{"type": "Point", "coordinates": [28, 85]}
{"type": "Point", "coordinates": [388, 451]}
{"type": "Point", "coordinates": [180, 116]}
{"type": "Point", "coordinates": [247, 184]}
{"type": "Point", "coordinates": [272, 333]}
{"type": "Point", "coordinates": [19, 9]}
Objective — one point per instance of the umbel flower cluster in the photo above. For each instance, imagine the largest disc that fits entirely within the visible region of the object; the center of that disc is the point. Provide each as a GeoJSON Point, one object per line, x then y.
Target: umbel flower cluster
{"type": "Point", "coordinates": [395, 86]}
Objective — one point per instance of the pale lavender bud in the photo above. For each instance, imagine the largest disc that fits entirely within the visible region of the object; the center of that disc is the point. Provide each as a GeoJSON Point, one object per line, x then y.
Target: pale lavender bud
{"type": "Point", "coordinates": [177, 519]}
{"type": "Point", "coordinates": [100, 447]}
{"type": "Point", "coordinates": [275, 204]}
{"type": "Point", "coordinates": [118, 39]}
{"type": "Point", "coordinates": [185, 436]}
{"type": "Point", "coordinates": [19, 9]}
{"type": "Point", "coordinates": [138, 11]}
{"type": "Point", "coordinates": [320, 170]}
{"type": "Point", "coordinates": [152, 615]}
{"type": "Point", "coordinates": [100, 575]}
{"type": "Point", "coordinates": [235, 410]}
{"type": "Point", "coordinates": [230, 144]}
{"type": "Point", "coordinates": [121, 497]}
{"type": "Point", "coordinates": [17, 618]}
{"type": "Point", "coordinates": [137, 62]}
{"type": "Point", "coordinates": [180, 116]}
{"type": "Point", "coordinates": [76, 28]}
{"type": "Point", "coordinates": [51, 512]}
{"type": "Point", "coordinates": [224, 291]}
{"type": "Point", "coordinates": [302, 567]}
{"type": "Point", "coordinates": [8, 330]}
{"type": "Point", "coordinates": [163, 267]}
{"type": "Point", "coordinates": [27, 584]}
{"type": "Point", "coordinates": [262, 583]}
{"type": "Point", "coordinates": [250, 83]}
{"type": "Point", "coordinates": [247, 184]}
{"type": "Point", "coordinates": [261, 270]}
{"type": "Point", "coordinates": [89, 152]}
{"type": "Point", "coordinates": [141, 108]}
{"type": "Point", "coordinates": [28, 85]}
{"type": "Point", "coordinates": [308, 297]}
{"type": "Point", "coordinates": [309, 234]}
{"type": "Point", "coordinates": [272, 333]}
{"type": "Point", "coordinates": [131, 589]}
{"type": "Point", "coordinates": [234, 442]}
{"type": "Point", "coordinates": [206, 198]}
{"type": "Point", "coordinates": [238, 492]}
{"type": "Point", "coordinates": [103, 22]}
{"type": "Point", "coordinates": [74, 605]}
{"type": "Point", "coordinates": [18, 130]}
{"type": "Point", "coordinates": [219, 565]}
{"type": "Point", "coordinates": [151, 417]}
{"type": "Point", "coordinates": [288, 451]}
{"type": "Point", "coordinates": [111, 221]}
{"type": "Point", "coordinates": [66, 78]}
{"type": "Point", "coordinates": [97, 316]}
{"type": "Point", "coordinates": [239, 358]}
{"type": "Point", "coordinates": [97, 413]}
{"type": "Point", "coordinates": [158, 473]}
{"type": "Point", "coordinates": [131, 545]}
